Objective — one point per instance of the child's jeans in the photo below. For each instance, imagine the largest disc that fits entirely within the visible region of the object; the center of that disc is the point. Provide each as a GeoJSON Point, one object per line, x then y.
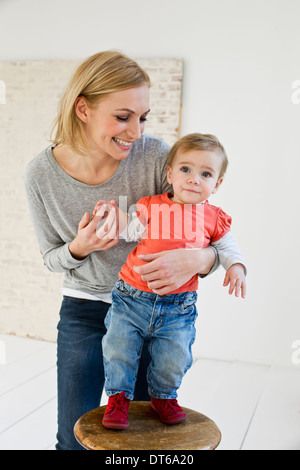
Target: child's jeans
{"type": "Point", "coordinates": [168, 322]}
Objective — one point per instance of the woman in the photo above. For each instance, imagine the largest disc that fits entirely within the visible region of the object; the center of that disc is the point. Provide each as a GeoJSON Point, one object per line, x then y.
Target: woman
{"type": "Point", "coordinates": [99, 152]}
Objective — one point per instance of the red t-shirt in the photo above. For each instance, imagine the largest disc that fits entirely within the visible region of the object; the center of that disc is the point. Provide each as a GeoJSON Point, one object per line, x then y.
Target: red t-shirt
{"type": "Point", "coordinates": [171, 225]}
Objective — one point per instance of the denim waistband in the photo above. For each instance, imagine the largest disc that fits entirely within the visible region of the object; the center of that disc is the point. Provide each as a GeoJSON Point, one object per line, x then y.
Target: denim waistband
{"type": "Point", "coordinates": [174, 298]}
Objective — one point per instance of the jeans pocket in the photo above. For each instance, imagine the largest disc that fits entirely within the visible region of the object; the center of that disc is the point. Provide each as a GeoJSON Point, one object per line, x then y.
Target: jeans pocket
{"type": "Point", "coordinates": [120, 286]}
{"type": "Point", "coordinates": [188, 306]}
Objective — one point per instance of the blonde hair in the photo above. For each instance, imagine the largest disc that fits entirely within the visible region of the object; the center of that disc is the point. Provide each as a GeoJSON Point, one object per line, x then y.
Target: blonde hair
{"type": "Point", "coordinates": [102, 73]}
{"type": "Point", "coordinates": [199, 142]}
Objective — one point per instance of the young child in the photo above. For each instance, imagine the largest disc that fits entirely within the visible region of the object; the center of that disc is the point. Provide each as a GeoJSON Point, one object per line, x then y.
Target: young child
{"type": "Point", "coordinates": [184, 219]}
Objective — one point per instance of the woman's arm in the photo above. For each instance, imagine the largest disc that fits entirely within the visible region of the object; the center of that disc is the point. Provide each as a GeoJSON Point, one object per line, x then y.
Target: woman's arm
{"type": "Point", "coordinates": [59, 255]}
{"type": "Point", "coordinates": [168, 270]}
{"type": "Point", "coordinates": [54, 250]}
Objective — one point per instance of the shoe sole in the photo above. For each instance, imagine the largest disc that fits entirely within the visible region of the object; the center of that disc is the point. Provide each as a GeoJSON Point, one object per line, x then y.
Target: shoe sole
{"type": "Point", "coordinates": [170, 421]}
{"type": "Point", "coordinates": [115, 425]}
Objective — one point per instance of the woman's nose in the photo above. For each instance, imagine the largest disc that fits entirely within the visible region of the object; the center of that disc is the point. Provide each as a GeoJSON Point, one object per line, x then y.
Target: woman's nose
{"type": "Point", "coordinates": [135, 131]}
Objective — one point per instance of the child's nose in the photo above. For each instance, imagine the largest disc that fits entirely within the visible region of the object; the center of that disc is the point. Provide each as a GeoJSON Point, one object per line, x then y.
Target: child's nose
{"type": "Point", "coordinates": [195, 179]}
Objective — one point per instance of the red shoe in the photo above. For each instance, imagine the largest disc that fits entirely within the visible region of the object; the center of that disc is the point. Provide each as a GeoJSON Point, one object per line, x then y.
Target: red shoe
{"type": "Point", "coordinates": [168, 410]}
{"type": "Point", "coordinates": [116, 412]}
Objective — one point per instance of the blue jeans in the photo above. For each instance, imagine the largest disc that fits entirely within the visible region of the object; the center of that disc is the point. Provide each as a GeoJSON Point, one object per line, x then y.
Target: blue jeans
{"type": "Point", "coordinates": [166, 322]}
{"type": "Point", "coordinates": [80, 372]}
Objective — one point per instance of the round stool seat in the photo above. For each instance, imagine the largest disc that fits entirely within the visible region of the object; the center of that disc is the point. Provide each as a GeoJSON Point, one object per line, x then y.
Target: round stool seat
{"type": "Point", "coordinates": [147, 432]}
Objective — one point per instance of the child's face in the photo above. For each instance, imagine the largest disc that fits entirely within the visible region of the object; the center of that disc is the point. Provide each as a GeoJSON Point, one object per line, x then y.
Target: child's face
{"type": "Point", "coordinates": [194, 175]}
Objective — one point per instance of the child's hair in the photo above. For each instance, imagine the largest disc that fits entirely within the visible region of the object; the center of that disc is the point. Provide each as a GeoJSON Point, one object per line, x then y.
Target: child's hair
{"type": "Point", "coordinates": [199, 142]}
{"type": "Point", "coordinates": [102, 73]}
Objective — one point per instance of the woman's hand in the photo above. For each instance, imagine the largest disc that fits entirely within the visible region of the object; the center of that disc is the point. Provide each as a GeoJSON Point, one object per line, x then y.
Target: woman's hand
{"type": "Point", "coordinates": [166, 271]}
{"type": "Point", "coordinates": [92, 238]}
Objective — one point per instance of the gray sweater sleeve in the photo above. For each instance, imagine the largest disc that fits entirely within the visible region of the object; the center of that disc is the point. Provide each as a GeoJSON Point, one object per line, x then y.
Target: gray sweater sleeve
{"type": "Point", "coordinates": [55, 251]}
{"type": "Point", "coordinates": [228, 251]}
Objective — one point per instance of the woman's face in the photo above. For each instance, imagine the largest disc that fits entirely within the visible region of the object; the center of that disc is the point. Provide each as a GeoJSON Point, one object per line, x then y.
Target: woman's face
{"type": "Point", "coordinates": [116, 122]}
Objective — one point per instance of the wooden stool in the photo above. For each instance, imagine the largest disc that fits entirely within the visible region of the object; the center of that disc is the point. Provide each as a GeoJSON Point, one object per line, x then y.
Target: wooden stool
{"type": "Point", "coordinates": [147, 432]}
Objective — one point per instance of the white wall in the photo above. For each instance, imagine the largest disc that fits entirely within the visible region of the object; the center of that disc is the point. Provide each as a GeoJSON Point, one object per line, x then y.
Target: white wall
{"type": "Point", "coordinates": [241, 59]}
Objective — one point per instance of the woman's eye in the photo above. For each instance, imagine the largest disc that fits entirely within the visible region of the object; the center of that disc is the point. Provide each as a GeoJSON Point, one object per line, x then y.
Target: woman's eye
{"type": "Point", "coordinates": [122, 118]}
{"type": "Point", "coordinates": [125, 118]}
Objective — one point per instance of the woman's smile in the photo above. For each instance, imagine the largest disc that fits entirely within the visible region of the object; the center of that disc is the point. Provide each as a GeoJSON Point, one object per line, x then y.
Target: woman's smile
{"type": "Point", "coordinates": [123, 144]}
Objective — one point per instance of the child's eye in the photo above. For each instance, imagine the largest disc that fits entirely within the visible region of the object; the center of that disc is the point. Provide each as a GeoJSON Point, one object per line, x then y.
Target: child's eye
{"type": "Point", "coordinates": [185, 169]}
{"type": "Point", "coordinates": [206, 174]}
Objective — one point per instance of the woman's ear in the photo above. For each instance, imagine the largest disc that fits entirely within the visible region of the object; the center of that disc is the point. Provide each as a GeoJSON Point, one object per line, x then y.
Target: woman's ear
{"type": "Point", "coordinates": [81, 108]}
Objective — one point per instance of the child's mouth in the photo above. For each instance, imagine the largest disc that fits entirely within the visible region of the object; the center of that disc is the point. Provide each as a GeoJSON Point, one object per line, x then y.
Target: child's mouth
{"type": "Point", "coordinates": [193, 191]}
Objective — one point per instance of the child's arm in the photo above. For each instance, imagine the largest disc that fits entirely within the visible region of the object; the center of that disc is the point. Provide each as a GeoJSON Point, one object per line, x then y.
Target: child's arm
{"type": "Point", "coordinates": [133, 230]}
{"type": "Point", "coordinates": [135, 227]}
{"type": "Point", "coordinates": [233, 262]}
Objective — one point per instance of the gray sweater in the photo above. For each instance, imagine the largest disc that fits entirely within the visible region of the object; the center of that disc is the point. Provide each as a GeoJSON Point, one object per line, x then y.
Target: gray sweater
{"type": "Point", "coordinates": [57, 202]}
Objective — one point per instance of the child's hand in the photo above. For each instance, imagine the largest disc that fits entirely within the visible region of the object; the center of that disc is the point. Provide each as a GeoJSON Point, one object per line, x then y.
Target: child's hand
{"type": "Point", "coordinates": [101, 205]}
{"type": "Point", "coordinates": [107, 227]}
{"type": "Point", "coordinates": [235, 277]}
{"type": "Point", "coordinates": [113, 213]}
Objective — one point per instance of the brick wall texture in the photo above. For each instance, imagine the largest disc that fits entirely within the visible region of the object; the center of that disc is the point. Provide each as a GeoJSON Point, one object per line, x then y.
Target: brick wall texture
{"type": "Point", "coordinates": [30, 295]}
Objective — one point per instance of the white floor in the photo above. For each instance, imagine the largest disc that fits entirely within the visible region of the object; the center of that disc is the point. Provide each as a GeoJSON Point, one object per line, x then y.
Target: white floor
{"type": "Point", "coordinates": [255, 407]}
